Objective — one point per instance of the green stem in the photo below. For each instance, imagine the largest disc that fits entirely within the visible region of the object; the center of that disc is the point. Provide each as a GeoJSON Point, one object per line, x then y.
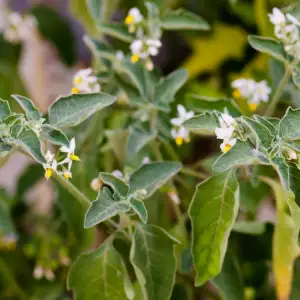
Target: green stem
{"type": "Point", "coordinates": [72, 189]}
{"type": "Point", "coordinates": [11, 281]}
{"type": "Point", "coordinates": [279, 90]}
{"type": "Point", "coordinates": [191, 172]}
{"type": "Point", "coordinates": [156, 150]}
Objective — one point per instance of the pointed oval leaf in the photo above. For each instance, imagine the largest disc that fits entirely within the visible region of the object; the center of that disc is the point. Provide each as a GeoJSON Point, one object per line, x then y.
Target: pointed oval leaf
{"type": "Point", "coordinates": [98, 274]}
{"type": "Point", "coordinates": [269, 123]}
{"type": "Point", "coordinates": [269, 46]}
{"type": "Point", "coordinates": [152, 256]}
{"type": "Point", "coordinates": [115, 183]}
{"type": "Point", "coordinates": [4, 110]}
{"type": "Point", "coordinates": [137, 139]}
{"type": "Point", "coordinates": [31, 112]}
{"type": "Point", "coordinates": [140, 209]}
{"type": "Point", "coordinates": [182, 19]}
{"type": "Point", "coordinates": [74, 109]}
{"type": "Point", "coordinates": [240, 154]}
{"type": "Point", "coordinates": [200, 103]}
{"type": "Point", "coordinates": [213, 211]}
{"type": "Point", "coordinates": [289, 126]}
{"type": "Point", "coordinates": [54, 135]}
{"type": "Point", "coordinates": [116, 30]}
{"type": "Point", "coordinates": [205, 123]}
{"type": "Point", "coordinates": [167, 88]}
{"type": "Point", "coordinates": [29, 143]}
{"type": "Point", "coordinates": [4, 149]}
{"type": "Point", "coordinates": [103, 208]}
{"type": "Point", "coordinates": [152, 176]}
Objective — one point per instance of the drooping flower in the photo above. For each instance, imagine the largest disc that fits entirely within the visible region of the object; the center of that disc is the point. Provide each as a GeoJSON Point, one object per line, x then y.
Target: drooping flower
{"type": "Point", "coordinates": [85, 82]}
{"type": "Point", "coordinates": [50, 166]}
{"type": "Point", "coordinates": [226, 132]}
{"type": "Point", "coordinates": [96, 184]}
{"type": "Point", "coordinates": [133, 18]}
{"type": "Point", "coordinates": [70, 151]}
{"type": "Point", "coordinates": [179, 132]}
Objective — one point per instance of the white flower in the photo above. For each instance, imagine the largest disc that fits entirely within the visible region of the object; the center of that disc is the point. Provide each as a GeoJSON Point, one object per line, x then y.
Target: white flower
{"type": "Point", "coordinates": [120, 55]}
{"type": "Point", "coordinates": [70, 151]}
{"type": "Point", "coordinates": [38, 272]}
{"type": "Point", "coordinates": [225, 132]}
{"type": "Point", "coordinates": [50, 167]}
{"type": "Point", "coordinates": [96, 184]}
{"type": "Point", "coordinates": [49, 156]}
{"type": "Point", "coordinates": [49, 275]}
{"type": "Point", "coordinates": [291, 154]}
{"type": "Point", "coordinates": [133, 18]}
{"type": "Point", "coordinates": [117, 173]}
{"type": "Point", "coordinates": [292, 19]}
{"type": "Point", "coordinates": [261, 92]}
{"type": "Point", "coordinates": [146, 160]}
{"type": "Point", "coordinates": [180, 135]}
{"type": "Point", "coordinates": [67, 174]}
{"type": "Point", "coordinates": [143, 49]}
{"type": "Point", "coordinates": [183, 115]}
{"type": "Point", "coordinates": [227, 145]}
{"type": "Point", "coordinates": [277, 17]}
{"type": "Point", "coordinates": [19, 28]}
{"type": "Point", "coordinates": [253, 91]}
{"type": "Point", "coordinates": [85, 82]}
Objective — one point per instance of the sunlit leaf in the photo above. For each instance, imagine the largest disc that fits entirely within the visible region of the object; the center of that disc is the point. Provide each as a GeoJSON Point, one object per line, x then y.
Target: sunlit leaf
{"type": "Point", "coordinates": [28, 107]}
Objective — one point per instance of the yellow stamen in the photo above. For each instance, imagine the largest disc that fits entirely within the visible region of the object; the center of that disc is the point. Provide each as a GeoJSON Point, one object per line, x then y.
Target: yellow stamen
{"type": "Point", "coordinates": [226, 148]}
{"type": "Point", "coordinates": [134, 58]}
{"type": "Point", "coordinates": [67, 175]}
{"type": "Point", "coordinates": [236, 94]}
{"type": "Point", "coordinates": [129, 20]}
{"type": "Point", "coordinates": [77, 80]}
{"type": "Point", "coordinates": [75, 90]}
{"type": "Point", "coordinates": [179, 141]}
{"type": "Point", "coordinates": [74, 157]}
{"type": "Point", "coordinates": [48, 173]}
{"type": "Point", "coordinates": [252, 107]}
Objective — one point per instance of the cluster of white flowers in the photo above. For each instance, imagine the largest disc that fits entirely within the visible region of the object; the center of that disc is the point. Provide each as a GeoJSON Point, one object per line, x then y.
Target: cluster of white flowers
{"type": "Point", "coordinates": [226, 132]}
{"type": "Point", "coordinates": [52, 165]}
{"type": "Point", "coordinates": [287, 30]}
{"type": "Point", "coordinates": [144, 46]}
{"type": "Point", "coordinates": [85, 82]}
{"type": "Point", "coordinates": [17, 28]}
{"type": "Point", "coordinates": [253, 91]}
{"type": "Point", "coordinates": [179, 132]}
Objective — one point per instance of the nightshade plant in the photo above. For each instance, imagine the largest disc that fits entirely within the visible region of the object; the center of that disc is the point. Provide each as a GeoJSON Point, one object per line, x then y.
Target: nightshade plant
{"type": "Point", "coordinates": [153, 240]}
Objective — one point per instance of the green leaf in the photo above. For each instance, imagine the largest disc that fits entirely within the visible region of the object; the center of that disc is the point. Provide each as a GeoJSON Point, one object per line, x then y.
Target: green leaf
{"type": "Point", "coordinates": [152, 256]}
{"type": "Point", "coordinates": [203, 123]}
{"type": "Point", "coordinates": [116, 30]}
{"type": "Point", "coordinates": [31, 112]}
{"type": "Point", "coordinates": [152, 176]}
{"type": "Point", "coordinates": [137, 74]}
{"type": "Point", "coordinates": [7, 226]}
{"type": "Point", "coordinates": [120, 187]}
{"type": "Point", "coordinates": [269, 46]}
{"type": "Point", "coordinates": [296, 78]}
{"type": "Point", "coordinates": [101, 10]}
{"type": "Point", "coordinates": [230, 281]}
{"type": "Point", "coordinates": [140, 209]}
{"type": "Point", "coordinates": [137, 139]}
{"type": "Point", "coordinates": [200, 103]}
{"type": "Point", "coordinates": [289, 127]}
{"type": "Point", "coordinates": [269, 123]}
{"type": "Point", "coordinates": [213, 211]}
{"type": "Point", "coordinates": [54, 135]}
{"type": "Point", "coordinates": [98, 274]}
{"type": "Point", "coordinates": [283, 171]}
{"type": "Point", "coordinates": [4, 110]}
{"type": "Point", "coordinates": [167, 87]}
{"type": "Point", "coordinates": [182, 19]}
{"type": "Point", "coordinates": [240, 154]}
{"type": "Point", "coordinates": [100, 49]}
{"type": "Point", "coordinates": [28, 142]}
{"type": "Point", "coordinates": [262, 135]}
{"type": "Point", "coordinates": [72, 110]}
{"type": "Point", "coordinates": [104, 208]}
{"type": "Point", "coordinates": [250, 227]}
